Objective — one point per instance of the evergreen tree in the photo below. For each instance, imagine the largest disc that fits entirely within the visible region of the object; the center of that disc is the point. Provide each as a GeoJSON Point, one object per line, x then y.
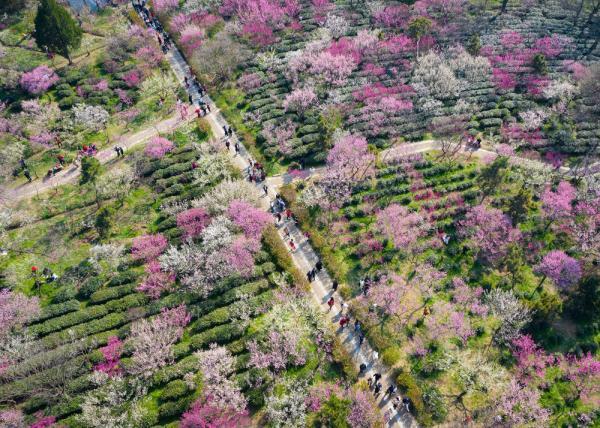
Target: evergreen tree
{"type": "Point", "coordinates": [90, 170]}
{"type": "Point", "coordinates": [56, 30]}
{"type": "Point", "coordinates": [11, 6]}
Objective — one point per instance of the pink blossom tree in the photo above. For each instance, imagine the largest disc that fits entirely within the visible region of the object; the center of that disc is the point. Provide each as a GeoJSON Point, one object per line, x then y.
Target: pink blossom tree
{"type": "Point", "coordinates": [38, 80]}
{"type": "Point", "coordinates": [205, 414]}
{"type": "Point", "coordinates": [12, 418]}
{"type": "Point", "coordinates": [332, 69]}
{"type": "Point", "coordinates": [16, 309]}
{"type": "Point", "coordinates": [490, 232]}
{"type": "Point", "coordinates": [132, 78]}
{"type": "Point", "coordinates": [250, 219]}
{"type": "Point", "coordinates": [152, 340]}
{"type": "Point", "coordinates": [240, 255]}
{"type": "Point", "coordinates": [300, 100]}
{"type": "Point", "coordinates": [191, 38]}
{"type": "Point", "coordinates": [363, 411]}
{"type": "Point", "coordinates": [156, 281]}
{"type": "Point", "coordinates": [157, 147]}
{"type": "Point", "coordinates": [192, 222]}
{"type": "Point", "coordinates": [520, 405]}
{"type": "Point", "coordinates": [277, 351]}
{"type": "Point", "coordinates": [216, 365]}
{"type": "Point", "coordinates": [111, 353]}
{"type": "Point", "coordinates": [348, 162]}
{"type": "Point", "coordinates": [563, 270]}
{"type": "Point", "coordinates": [148, 247]}
{"type": "Point", "coordinates": [557, 205]}
{"type": "Point", "coordinates": [43, 422]}
{"type": "Point", "coordinates": [402, 227]}
{"type": "Point", "coordinates": [164, 6]}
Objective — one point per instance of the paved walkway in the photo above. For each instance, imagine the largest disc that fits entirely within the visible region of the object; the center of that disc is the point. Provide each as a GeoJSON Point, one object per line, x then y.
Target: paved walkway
{"type": "Point", "coordinates": [304, 257]}
{"type": "Point", "coordinates": [71, 172]}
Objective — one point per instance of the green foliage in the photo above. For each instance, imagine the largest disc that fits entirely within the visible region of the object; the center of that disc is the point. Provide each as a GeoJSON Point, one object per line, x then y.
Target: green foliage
{"type": "Point", "coordinates": [55, 29]}
{"type": "Point", "coordinates": [103, 221]}
{"type": "Point", "coordinates": [391, 355]}
{"type": "Point", "coordinates": [518, 206]}
{"type": "Point", "coordinates": [174, 390]}
{"type": "Point", "coordinates": [11, 6]}
{"type": "Point", "coordinates": [419, 27]}
{"type": "Point", "coordinates": [90, 286]}
{"type": "Point", "coordinates": [492, 175]}
{"type": "Point", "coordinates": [333, 413]}
{"type": "Point", "coordinates": [282, 258]}
{"type": "Point", "coordinates": [64, 294]}
{"type": "Point", "coordinates": [474, 44]}
{"type": "Point", "coordinates": [540, 65]}
{"type": "Point", "coordinates": [409, 387]}
{"type": "Point", "coordinates": [584, 302]}
{"type": "Point", "coordinates": [90, 170]}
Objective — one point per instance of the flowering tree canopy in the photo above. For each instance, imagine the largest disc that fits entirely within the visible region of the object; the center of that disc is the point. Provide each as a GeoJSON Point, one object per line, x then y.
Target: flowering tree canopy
{"type": "Point", "coordinates": [16, 309]}
{"type": "Point", "coordinates": [557, 204]}
{"type": "Point", "coordinates": [192, 222]}
{"type": "Point", "coordinates": [205, 414]}
{"type": "Point", "coordinates": [490, 231]}
{"type": "Point", "coordinates": [401, 226]}
{"type": "Point", "coordinates": [157, 147]}
{"type": "Point", "coordinates": [157, 281]}
{"type": "Point", "coordinates": [217, 364]}
{"type": "Point", "coordinates": [565, 271]}
{"type": "Point", "coordinates": [300, 100]}
{"type": "Point", "coordinates": [251, 220]}
{"type": "Point", "coordinates": [152, 340]}
{"type": "Point", "coordinates": [38, 80]}
{"type": "Point", "coordinates": [111, 353]}
{"type": "Point", "coordinates": [148, 247]}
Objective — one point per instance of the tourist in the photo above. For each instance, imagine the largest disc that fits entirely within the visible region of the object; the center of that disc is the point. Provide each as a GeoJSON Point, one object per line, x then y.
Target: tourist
{"type": "Point", "coordinates": [27, 175]}
{"type": "Point", "coordinates": [362, 368]}
{"type": "Point", "coordinates": [357, 325]}
{"type": "Point", "coordinates": [227, 144]}
{"type": "Point", "coordinates": [377, 389]}
{"type": "Point", "coordinates": [390, 391]}
{"type": "Point", "coordinates": [330, 302]}
{"type": "Point", "coordinates": [237, 148]}
{"type": "Point", "coordinates": [344, 321]}
{"type": "Point", "coordinates": [334, 286]}
{"type": "Point", "coordinates": [406, 402]}
{"type": "Point", "coordinates": [292, 245]}
{"type": "Point", "coordinates": [319, 265]}
{"type": "Point", "coordinates": [265, 189]}
{"type": "Point", "coordinates": [361, 338]}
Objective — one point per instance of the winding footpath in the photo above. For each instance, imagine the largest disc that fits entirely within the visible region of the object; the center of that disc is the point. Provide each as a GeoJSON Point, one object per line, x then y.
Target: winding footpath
{"type": "Point", "coordinates": [72, 171]}
{"type": "Point", "coordinates": [304, 257]}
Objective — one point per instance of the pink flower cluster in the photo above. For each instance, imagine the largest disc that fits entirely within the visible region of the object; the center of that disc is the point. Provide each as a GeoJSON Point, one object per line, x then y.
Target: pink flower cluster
{"type": "Point", "coordinates": [192, 222]}
{"type": "Point", "coordinates": [112, 353]}
{"type": "Point", "coordinates": [38, 80]}
{"type": "Point", "coordinates": [157, 147]}
{"type": "Point", "coordinates": [251, 220]}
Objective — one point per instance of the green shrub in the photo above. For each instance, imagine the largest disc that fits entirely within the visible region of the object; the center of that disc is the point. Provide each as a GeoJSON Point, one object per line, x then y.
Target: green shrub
{"type": "Point", "coordinates": [106, 294]}
{"type": "Point", "coordinates": [58, 309]}
{"type": "Point", "coordinates": [391, 355]}
{"type": "Point", "coordinates": [278, 250]}
{"type": "Point", "coordinates": [174, 408]}
{"type": "Point", "coordinates": [123, 278]}
{"type": "Point", "coordinates": [174, 390]}
{"type": "Point", "coordinates": [90, 286]}
{"type": "Point", "coordinates": [408, 386]}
